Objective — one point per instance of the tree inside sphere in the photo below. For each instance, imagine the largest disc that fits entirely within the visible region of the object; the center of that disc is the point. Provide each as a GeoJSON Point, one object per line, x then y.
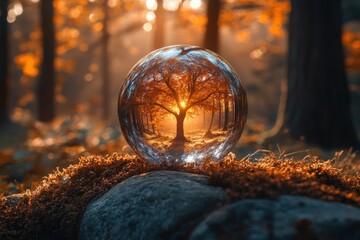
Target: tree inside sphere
{"type": "Point", "coordinates": [182, 104]}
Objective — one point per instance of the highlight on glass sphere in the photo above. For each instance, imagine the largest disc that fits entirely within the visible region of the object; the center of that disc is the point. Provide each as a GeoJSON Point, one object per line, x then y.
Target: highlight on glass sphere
{"type": "Point", "coordinates": [182, 104]}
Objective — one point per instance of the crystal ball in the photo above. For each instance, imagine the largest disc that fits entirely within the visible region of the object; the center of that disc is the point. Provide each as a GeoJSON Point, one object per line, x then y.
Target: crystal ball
{"type": "Point", "coordinates": [182, 104]}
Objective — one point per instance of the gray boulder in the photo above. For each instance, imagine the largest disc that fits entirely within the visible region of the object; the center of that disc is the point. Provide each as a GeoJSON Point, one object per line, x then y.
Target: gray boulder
{"type": "Point", "coordinates": [288, 217]}
{"type": "Point", "coordinates": [155, 205]}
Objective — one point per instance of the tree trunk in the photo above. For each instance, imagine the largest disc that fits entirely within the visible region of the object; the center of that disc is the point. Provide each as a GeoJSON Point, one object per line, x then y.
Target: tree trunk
{"type": "Point", "coordinates": [134, 120]}
{"type": "Point", "coordinates": [180, 135]}
{"type": "Point", "coordinates": [318, 105]}
{"type": "Point", "coordinates": [236, 110]}
{"type": "Point", "coordinates": [106, 62]}
{"type": "Point", "coordinates": [211, 40]}
{"type": "Point", "coordinates": [139, 121]}
{"type": "Point", "coordinates": [219, 103]}
{"type": "Point", "coordinates": [46, 87]}
{"type": "Point", "coordinates": [226, 112]}
{"type": "Point", "coordinates": [141, 116]}
{"type": "Point", "coordinates": [152, 123]}
{"type": "Point", "coordinates": [159, 26]}
{"type": "Point", "coordinates": [3, 61]}
{"type": "Point", "coordinates": [147, 122]}
{"type": "Point", "coordinates": [233, 116]}
{"type": "Point", "coordinates": [208, 132]}
{"type": "Point", "coordinates": [204, 118]}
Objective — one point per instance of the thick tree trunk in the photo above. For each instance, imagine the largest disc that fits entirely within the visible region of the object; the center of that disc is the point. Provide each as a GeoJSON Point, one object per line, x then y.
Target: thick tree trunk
{"type": "Point", "coordinates": [159, 26]}
{"type": "Point", "coordinates": [318, 106]}
{"type": "Point", "coordinates": [106, 62]}
{"type": "Point", "coordinates": [180, 135]}
{"type": "Point", "coordinates": [46, 87]}
{"type": "Point", "coordinates": [4, 61]}
{"type": "Point", "coordinates": [211, 40]}
{"type": "Point", "coordinates": [226, 112]}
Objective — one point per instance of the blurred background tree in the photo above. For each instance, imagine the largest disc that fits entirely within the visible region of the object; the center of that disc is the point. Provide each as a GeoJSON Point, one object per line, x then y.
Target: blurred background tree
{"type": "Point", "coordinates": [106, 61]}
{"type": "Point", "coordinates": [46, 85]}
{"type": "Point", "coordinates": [318, 100]}
{"type": "Point", "coordinates": [159, 33]}
{"type": "Point", "coordinates": [211, 38]}
{"type": "Point", "coordinates": [4, 62]}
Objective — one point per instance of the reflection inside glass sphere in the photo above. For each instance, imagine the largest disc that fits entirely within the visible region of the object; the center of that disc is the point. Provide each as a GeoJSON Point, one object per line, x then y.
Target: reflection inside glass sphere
{"type": "Point", "coordinates": [183, 104]}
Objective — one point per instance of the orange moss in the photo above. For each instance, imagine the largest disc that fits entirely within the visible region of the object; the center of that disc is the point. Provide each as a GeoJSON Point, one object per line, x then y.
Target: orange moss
{"type": "Point", "coordinates": [54, 208]}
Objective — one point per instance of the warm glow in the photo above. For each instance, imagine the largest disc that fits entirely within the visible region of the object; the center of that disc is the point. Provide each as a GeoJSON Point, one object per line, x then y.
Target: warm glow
{"type": "Point", "coordinates": [113, 3]}
{"type": "Point", "coordinates": [92, 18]}
{"type": "Point", "coordinates": [147, 27]}
{"type": "Point", "coordinates": [171, 5]}
{"type": "Point", "coordinates": [195, 4]}
{"type": "Point", "coordinates": [151, 4]}
{"type": "Point", "coordinates": [11, 17]}
{"type": "Point", "coordinates": [29, 64]}
{"type": "Point", "coordinates": [182, 104]}
{"type": "Point", "coordinates": [98, 27]}
{"type": "Point", "coordinates": [18, 9]}
{"type": "Point", "coordinates": [259, 53]}
{"type": "Point", "coordinates": [89, 77]}
{"type": "Point", "coordinates": [150, 16]}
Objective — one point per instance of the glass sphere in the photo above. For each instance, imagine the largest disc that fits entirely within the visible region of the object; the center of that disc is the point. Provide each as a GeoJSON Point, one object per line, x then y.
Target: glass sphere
{"type": "Point", "coordinates": [182, 104]}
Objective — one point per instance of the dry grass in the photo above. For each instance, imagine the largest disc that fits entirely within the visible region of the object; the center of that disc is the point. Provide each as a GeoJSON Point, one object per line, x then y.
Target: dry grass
{"type": "Point", "coordinates": [53, 209]}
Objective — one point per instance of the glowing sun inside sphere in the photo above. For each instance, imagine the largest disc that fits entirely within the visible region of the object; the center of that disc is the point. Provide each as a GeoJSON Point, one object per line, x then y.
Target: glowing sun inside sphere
{"type": "Point", "coordinates": [182, 104]}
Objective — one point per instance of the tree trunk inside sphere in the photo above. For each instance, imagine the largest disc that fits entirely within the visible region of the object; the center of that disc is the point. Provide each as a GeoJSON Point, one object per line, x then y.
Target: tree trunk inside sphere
{"type": "Point", "coordinates": [226, 112]}
{"type": "Point", "coordinates": [180, 134]}
{"type": "Point", "coordinates": [208, 133]}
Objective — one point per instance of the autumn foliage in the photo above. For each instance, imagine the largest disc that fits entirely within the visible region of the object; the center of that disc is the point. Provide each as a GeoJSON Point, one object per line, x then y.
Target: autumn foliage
{"type": "Point", "coordinates": [79, 27]}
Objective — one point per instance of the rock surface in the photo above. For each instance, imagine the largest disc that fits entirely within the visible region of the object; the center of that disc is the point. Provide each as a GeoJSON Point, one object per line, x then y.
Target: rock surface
{"type": "Point", "coordinates": [156, 205]}
{"type": "Point", "coordinates": [288, 217]}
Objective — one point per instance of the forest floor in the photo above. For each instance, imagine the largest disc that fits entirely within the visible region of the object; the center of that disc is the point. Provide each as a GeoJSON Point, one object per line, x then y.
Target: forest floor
{"type": "Point", "coordinates": [195, 140]}
{"type": "Point", "coordinates": [54, 208]}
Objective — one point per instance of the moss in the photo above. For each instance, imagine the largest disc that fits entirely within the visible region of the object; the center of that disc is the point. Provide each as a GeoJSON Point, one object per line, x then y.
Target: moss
{"type": "Point", "coordinates": [54, 208]}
